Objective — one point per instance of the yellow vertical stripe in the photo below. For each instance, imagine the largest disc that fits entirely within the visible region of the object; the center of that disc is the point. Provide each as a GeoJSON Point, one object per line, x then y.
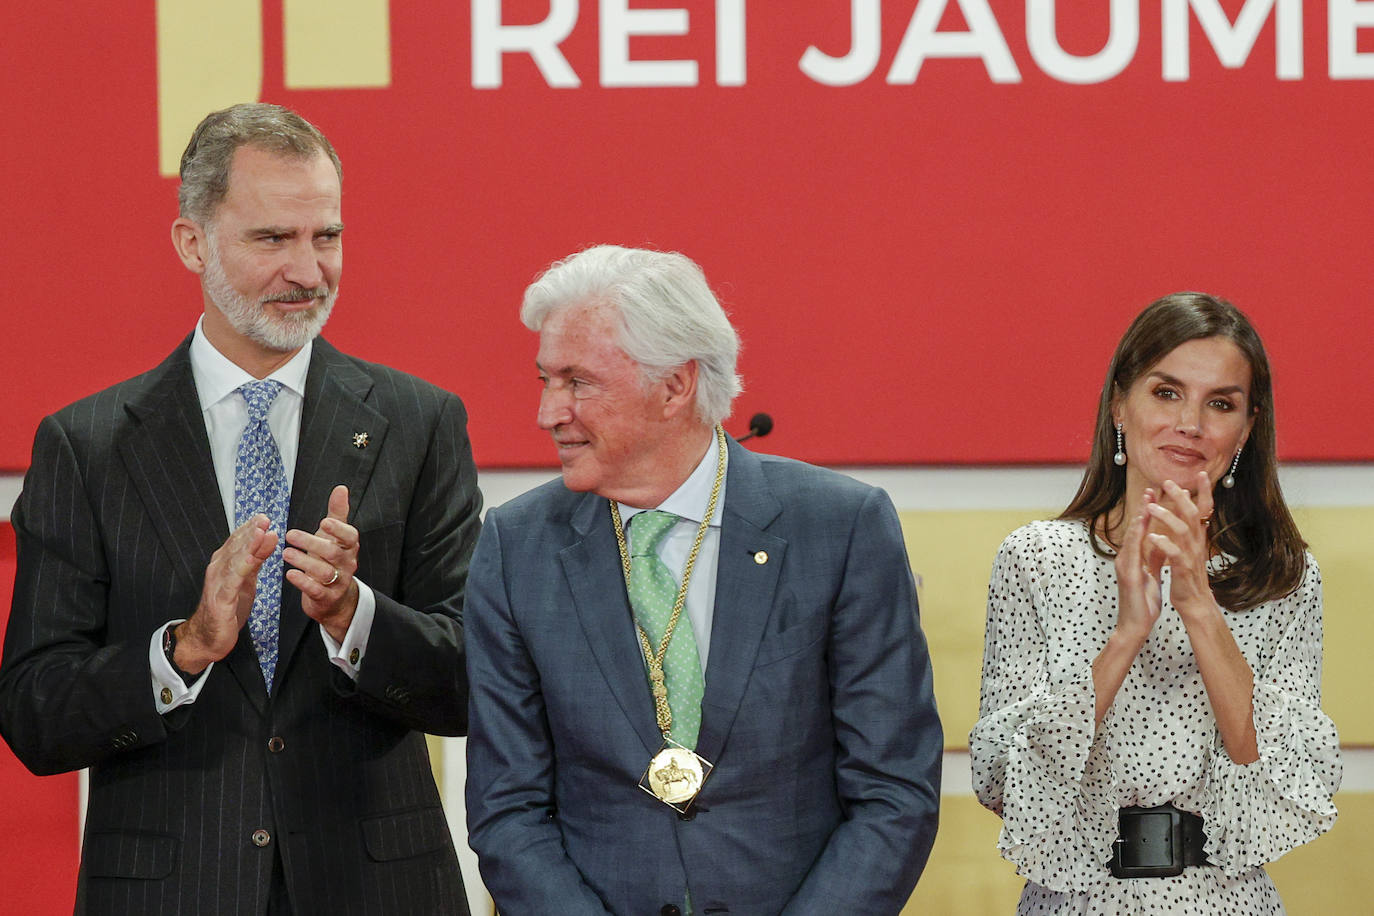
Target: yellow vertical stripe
{"type": "Point", "coordinates": [209, 56]}
{"type": "Point", "coordinates": [336, 44]}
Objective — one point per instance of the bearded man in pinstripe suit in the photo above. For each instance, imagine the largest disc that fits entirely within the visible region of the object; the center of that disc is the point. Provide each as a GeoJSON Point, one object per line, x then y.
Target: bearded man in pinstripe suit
{"type": "Point", "coordinates": [282, 771]}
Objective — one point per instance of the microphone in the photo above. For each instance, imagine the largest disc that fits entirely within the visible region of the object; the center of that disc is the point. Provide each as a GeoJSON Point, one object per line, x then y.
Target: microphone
{"type": "Point", "coordinates": [760, 424]}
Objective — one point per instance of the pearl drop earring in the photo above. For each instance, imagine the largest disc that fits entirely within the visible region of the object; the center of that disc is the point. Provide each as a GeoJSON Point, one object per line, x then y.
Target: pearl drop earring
{"type": "Point", "coordinates": [1229, 480]}
{"type": "Point", "coordinates": [1120, 457]}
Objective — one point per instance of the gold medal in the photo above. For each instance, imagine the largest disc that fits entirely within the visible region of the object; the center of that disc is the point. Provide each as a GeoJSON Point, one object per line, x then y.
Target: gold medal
{"type": "Point", "coordinates": [675, 775]}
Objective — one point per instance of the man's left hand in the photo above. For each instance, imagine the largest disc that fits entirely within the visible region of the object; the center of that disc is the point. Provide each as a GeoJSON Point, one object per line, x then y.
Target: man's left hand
{"type": "Point", "coordinates": [324, 566]}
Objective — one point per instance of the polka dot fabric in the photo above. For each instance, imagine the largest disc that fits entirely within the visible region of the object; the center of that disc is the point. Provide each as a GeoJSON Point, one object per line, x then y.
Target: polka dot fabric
{"type": "Point", "coordinates": [1058, 782]}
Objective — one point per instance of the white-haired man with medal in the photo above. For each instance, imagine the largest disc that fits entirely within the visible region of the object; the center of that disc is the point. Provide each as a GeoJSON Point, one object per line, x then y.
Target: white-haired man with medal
{"type": "Point", "coordinates": [699, 684]}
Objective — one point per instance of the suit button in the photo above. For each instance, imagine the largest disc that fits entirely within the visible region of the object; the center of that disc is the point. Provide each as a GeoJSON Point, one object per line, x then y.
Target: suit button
{"type": "Point", "coordinates": [687, 815]}
{"type": "Point", "coordinates": [670, 909]}
{"type": "Point", "coordinates": [275, 744]}
{"type": "Point", "coordinates": [261, 838]}
{"type": "Point", "coordinates": [166, 696]}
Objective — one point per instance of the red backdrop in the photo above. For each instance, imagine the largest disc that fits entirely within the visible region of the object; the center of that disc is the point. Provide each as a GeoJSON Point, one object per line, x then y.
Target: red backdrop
{"type": "Point", "coordinates": [923, 272]}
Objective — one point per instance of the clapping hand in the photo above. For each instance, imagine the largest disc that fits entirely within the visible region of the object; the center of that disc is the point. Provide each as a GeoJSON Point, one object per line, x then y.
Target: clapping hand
{"type": "Point", "coordinates": [226, 598]}
{"type": "Point", "coordinates": [1138, 565]}
{"type": "Point", "coordinates": [324, 564]}
{"type": "Point", "coordinates": [1178, 532]}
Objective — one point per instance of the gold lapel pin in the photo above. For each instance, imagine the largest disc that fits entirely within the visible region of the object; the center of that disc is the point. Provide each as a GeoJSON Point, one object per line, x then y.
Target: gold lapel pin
{"type": "Point", "coordinates": [360, 440]}
{"type": "Point", "coordinates": [761, 557]}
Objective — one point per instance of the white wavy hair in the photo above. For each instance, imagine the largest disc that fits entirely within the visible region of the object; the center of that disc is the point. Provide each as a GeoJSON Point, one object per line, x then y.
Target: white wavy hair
{"type": "Point", "coordinates": [668, 315]}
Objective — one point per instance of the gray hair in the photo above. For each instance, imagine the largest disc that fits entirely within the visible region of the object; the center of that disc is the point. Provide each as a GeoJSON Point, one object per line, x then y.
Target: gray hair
{"type": "Point", "coordinates": [668, 315]}
{"type": "Point", "coordinates": [205, 163]}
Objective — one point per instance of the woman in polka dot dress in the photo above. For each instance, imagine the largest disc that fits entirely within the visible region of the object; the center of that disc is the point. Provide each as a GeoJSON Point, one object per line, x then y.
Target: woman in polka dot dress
{"type": "Point", "coordinates": [1159, 644]}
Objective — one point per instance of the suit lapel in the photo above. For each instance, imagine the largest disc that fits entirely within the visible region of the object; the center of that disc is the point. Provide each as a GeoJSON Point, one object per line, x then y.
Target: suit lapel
{"type": "Point", "coordinates": [597, 581]}
{"type": "Point", "coordinates": [334, 412]}
{"type": "Point", "coordinates": [167, 455]}
{"type": "Point", "coordinates": [745, 592]}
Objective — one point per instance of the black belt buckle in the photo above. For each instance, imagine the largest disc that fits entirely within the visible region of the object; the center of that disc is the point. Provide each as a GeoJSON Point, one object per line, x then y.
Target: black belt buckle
{"type": "Point", "coordinates": [1150, 844]}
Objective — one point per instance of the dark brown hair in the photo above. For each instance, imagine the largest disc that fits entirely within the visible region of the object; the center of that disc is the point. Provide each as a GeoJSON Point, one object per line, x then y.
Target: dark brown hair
{"type": "Point", "coordinates": [1251, 523]}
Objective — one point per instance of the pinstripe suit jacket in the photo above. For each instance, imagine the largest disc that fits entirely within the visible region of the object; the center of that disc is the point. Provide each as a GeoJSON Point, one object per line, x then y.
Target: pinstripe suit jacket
{"type": "Point", "coordinates": [117, 520]}
{"type": "Point", "coordinates": [818, 711]}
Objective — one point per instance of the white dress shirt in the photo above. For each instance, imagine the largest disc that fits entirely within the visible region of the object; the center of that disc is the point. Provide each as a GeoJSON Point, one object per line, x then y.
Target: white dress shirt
{"type": "Point", "coordinates": [688, 502]}
{"type": "Point", "coordinates": [217, 382]}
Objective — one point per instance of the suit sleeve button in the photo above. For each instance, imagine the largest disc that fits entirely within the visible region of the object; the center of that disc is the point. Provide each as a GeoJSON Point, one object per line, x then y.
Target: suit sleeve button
{"type": "Point", "coordinates": [275, 744]}
{"type": "Point", "coordinates": [261, 838]}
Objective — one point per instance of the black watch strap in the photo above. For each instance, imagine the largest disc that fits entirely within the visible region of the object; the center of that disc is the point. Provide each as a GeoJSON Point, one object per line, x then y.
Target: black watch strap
{"type": "Point", "coordinates": [169, 649]}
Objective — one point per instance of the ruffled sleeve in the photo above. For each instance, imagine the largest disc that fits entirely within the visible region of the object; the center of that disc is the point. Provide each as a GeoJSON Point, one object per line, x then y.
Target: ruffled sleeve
{"type": "Point", "coordinates": [1257, 812]}
{"type": "Point", "coordinates": [1034, 755]}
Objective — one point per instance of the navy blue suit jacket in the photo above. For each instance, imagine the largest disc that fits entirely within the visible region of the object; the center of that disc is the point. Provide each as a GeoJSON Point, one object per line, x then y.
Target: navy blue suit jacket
{"type": "Point", "coordinates": [818, 711]}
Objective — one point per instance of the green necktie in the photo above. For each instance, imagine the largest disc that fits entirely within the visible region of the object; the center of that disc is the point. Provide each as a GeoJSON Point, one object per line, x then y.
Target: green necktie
{"type": "Point", "coordinates": [653, 591]}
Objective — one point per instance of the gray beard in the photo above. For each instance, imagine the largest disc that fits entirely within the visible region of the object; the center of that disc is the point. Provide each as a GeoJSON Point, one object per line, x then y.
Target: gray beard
{"type": "Point", "coordinates": [281, 332]}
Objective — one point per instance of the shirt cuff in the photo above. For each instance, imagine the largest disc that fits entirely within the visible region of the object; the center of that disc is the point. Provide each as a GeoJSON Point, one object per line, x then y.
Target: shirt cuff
{"type": "Point", "coordinates": [348, 655]}
{"type": "Point", "coordinates": [169, 690]}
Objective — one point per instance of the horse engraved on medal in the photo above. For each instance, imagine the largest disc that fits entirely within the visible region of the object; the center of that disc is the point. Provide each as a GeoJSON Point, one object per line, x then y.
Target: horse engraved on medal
{"type": "Point", "coordinates": [673, 782]}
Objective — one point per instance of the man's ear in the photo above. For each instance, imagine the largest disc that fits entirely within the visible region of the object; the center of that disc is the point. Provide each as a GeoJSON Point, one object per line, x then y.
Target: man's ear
{"type": "Point", "coordinates": [681, 387]}
{"type": "Point", "coordinates": [191, 244]}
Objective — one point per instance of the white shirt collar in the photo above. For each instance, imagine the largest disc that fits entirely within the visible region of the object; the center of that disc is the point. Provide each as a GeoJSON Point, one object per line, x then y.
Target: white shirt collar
{"type": "Point", "coordinates": [689, 500]}
{"type": "Point", "coordinates": [216, 377]}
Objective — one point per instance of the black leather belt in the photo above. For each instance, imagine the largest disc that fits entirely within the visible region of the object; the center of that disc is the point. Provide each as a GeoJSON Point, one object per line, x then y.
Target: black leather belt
{"type": "Point", "coordinates": [1157, 843]}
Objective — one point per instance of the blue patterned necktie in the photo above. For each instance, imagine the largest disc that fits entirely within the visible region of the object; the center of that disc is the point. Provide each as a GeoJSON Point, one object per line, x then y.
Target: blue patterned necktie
{"type": "Point", "coordinates": [653, 592]}
{"type": "Point", "coordinates": [260, 486]}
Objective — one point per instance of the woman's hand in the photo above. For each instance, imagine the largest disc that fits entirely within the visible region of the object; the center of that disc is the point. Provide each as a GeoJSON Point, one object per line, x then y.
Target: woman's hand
{"type": "Point", "coordinates": [1137, 608]}
{"type": "Point", "coordinates": [1178, 534]}
{"type": "Point", "coordinates": [1138, 564]}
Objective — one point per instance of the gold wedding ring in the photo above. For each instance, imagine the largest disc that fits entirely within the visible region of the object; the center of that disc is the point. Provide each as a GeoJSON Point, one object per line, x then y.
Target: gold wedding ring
{"type": "Point", "coordinates": [332, 579]}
